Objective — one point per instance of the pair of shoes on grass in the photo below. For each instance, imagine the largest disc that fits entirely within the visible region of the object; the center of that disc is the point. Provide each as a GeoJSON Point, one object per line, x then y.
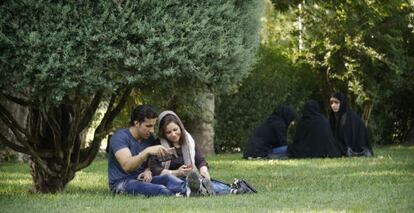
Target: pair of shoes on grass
{"type": "Point", "coordinates": [199, 186]}
{"type": "Point", "coordinates": [242, 187]}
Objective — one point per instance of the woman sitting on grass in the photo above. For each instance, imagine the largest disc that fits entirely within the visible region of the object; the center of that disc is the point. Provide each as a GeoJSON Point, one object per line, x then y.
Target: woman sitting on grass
{"type": "Point", "coordinates": [313, 137]}
{"type": "Point", "coordinates": [348, 128]}
{"type": "Point", "coordinates": [269, 139]}
{"type": "Point", "coordinates": [187, 159]}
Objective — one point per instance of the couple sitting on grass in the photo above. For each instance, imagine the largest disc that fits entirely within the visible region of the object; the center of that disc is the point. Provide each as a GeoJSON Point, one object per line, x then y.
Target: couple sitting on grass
{"type": "Point", "coordinates": [140, 164]}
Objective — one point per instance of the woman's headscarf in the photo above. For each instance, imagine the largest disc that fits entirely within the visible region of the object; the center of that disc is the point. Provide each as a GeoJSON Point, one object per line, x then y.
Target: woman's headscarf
{"type": "Point", "coordinates": [188, 146]}
{"type": "Point", "coordinates": [313, 136]}
{"type": "Point", "coordinates": [343, 107]}
{"type": "Point", "coordinates": [286, 112]}
{"type": "Point", "coordinates": [348, 127]}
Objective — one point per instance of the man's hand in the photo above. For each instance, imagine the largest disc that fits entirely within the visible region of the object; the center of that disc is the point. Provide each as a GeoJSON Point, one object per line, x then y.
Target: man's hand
{"type": "Point", "coordinates": [130, 163]}
{"type": "Point", "coordinates": [157, 150]}
{"type": "Point", "coordinates": [145, 176]}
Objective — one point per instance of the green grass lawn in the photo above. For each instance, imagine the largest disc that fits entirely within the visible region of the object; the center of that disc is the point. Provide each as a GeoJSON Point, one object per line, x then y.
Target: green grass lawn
{"type": "Point", "coordinates": [382, 183]}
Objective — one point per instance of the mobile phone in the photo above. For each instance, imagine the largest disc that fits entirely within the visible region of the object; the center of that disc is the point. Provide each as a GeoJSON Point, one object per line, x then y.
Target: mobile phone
{"type": "Point", "coordinates": [166, 157]}
{"type": "Point", "coordinates": [172, 153]}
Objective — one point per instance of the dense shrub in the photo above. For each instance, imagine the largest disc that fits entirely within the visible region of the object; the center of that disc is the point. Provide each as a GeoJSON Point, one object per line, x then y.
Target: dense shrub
{"type": "Point", "coordinates": [274, 80]}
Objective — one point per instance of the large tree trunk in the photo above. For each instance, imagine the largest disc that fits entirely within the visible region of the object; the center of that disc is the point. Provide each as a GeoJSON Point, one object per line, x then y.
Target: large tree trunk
{"type": "Point", "coordinates": [44, 182]}
{"type": "Point", "coordinates": [202, 129]}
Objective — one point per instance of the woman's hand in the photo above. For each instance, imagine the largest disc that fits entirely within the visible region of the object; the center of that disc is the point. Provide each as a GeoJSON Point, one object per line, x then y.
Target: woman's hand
{"type": "Point", "coordinates": [184, 170]}
{"type": "Point", "coordinates": [204, 172]}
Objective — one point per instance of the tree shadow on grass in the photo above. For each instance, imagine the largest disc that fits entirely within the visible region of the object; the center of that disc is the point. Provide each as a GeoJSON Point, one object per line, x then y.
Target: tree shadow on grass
{"type": "Point", "coordinates": [94, 190]}
{"type": "Point", "coordinates": [15, 187]}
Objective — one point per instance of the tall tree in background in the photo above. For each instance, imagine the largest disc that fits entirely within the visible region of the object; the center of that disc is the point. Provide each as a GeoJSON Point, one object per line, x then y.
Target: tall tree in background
{"type": "Point", "coordinates": [363, 48]}
{"type": "Point", "coordinates": [61, 61]}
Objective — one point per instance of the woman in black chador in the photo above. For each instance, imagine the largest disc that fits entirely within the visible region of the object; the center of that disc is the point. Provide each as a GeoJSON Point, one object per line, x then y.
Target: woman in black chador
{"type": "Point", "coordinates": [269, 138]}
{"type": "Point", "coordinates": [313, 136]}
{"type": "Point", "coordinates": [348, 128]}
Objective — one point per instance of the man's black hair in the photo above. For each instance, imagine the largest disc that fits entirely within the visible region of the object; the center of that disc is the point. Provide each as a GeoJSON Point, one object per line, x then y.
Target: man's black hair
{"type": "Point", "coordinates": [141, 112]}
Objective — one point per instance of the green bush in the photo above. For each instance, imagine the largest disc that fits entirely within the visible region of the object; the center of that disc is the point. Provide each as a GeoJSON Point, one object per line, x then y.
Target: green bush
{"type": "Point", "coordinates": [392, 121]}
{"type": "Point", "coordinates": [274, 80]}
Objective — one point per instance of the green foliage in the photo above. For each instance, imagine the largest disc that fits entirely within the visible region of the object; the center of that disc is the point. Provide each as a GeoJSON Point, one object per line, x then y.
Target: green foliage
{"type": "Point", "coordinates": [283, 5]}
{"type": "Point", "coordinates": [54, 50]}
{"type": "Point", "coordinates": [206, 46]}
{"type": "Point", "coordinates": [366, 48]}
{"type": "Point", "coordinates": [381, 183]}
{"type": "Point", "coordinates": [274, 80]}
{"type": "Point", "coordinates": [215, 51]}
{"type": "Point", "coordinates": [167, 49]}
{"type": "Point", "coordinates": [394, 113]}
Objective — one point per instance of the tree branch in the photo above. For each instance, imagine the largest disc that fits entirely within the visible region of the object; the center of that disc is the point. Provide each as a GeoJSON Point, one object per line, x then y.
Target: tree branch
{"type": "Point", "coordinates": [30, 150]}
{"type": "Point", "coordinates": [103, 129]}
{"type": "Point", "coordinates": [87, 116]}
{"type": "Point", "coordinates": [19, 137]}
{"type": "Point", "coordinates": [56, 131]}
{"type": "Point", "coordinates": [12, 145]}
{"type": "Point", "coordinates": [118, 108]}
{"type": "Point", "coordinates": [15, 128]}
{"type": "Point", "coordinates": [22, 149]}
{"type": "Point", "coordinates": [73, 134]}
{"type": "Point", "coordinates": [90, 110]}
{"type": "Point", "coordinates": [34, 121]}
{"type": "Point", "coordinates": [16, 100]}
{"type": "Point", "coordinates": [9, 120]}
{"type": "Point", "coordinates": [109, 117]}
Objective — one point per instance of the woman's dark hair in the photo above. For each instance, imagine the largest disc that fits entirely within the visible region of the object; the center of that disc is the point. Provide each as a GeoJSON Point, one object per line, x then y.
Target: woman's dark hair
{"type": "Point", "coordinates": [141, 112]}
{"type": "Point", "coordinates": [164, 123]}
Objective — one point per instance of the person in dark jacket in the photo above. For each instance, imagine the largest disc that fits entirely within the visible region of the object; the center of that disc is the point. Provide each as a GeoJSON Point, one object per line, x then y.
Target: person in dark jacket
{"type": "Point", "coordinates": [313, 137]}
{"type": "Point", "coordinates": [269, 138]}
{"type": "Point", "coordinates": [348, 128]}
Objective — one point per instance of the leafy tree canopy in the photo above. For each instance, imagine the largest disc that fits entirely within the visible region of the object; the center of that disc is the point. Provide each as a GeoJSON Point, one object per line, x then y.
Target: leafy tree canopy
{"type": "Point", "coordinates": [53, 51]}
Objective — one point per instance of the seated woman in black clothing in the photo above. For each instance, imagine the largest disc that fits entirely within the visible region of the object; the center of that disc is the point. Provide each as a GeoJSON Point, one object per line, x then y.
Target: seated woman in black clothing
{"type": "Point", "coordinates": [348, 128]}
{"type": "Point", "coordinates": [313, 137]}
{"type": "Point", "coordinates": [269, 138]}
{"type": "Point", "coordinates": [187, 159]}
